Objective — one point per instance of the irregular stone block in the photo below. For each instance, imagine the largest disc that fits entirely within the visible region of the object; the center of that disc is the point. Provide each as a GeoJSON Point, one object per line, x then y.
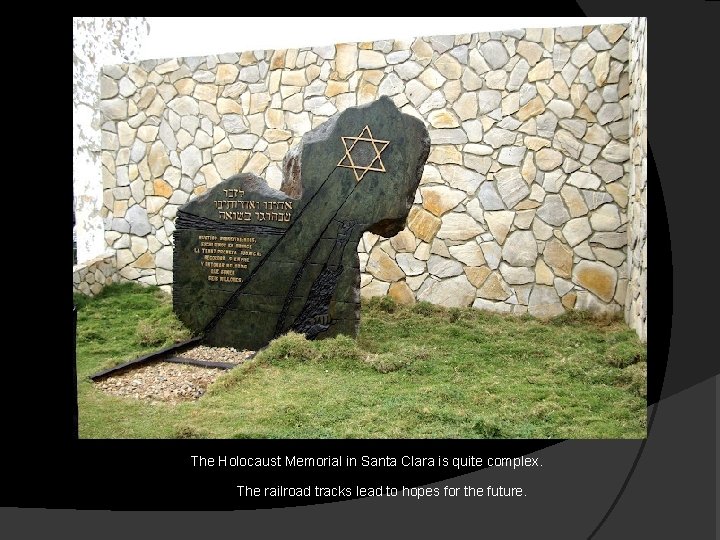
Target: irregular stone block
{"type": "Point", "coordinates": [252, 262]}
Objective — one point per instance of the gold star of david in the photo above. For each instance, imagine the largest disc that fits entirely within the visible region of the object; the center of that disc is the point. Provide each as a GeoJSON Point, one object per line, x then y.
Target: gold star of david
{"type": "Point", "coordinates": [363, 154]}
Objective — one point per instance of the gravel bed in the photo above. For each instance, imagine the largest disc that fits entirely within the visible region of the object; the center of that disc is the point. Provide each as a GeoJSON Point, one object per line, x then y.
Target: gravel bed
{"type": "Point", "coordinates": [170, 382]}
{"type": "Point", "coordinates": [217, 354]}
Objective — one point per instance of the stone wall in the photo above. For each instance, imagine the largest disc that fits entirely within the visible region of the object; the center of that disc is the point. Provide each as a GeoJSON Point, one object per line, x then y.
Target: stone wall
{"type": "Point", "coordinates": [91, 276]}
{"type": "Point", "coordinates": [636, 305]}
{"type": "Point", "coordinates": [522, 204]}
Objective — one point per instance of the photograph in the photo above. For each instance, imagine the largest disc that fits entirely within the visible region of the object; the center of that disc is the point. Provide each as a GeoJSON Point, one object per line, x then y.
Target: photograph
{"type": "Point", "coordinates": [423, 237]}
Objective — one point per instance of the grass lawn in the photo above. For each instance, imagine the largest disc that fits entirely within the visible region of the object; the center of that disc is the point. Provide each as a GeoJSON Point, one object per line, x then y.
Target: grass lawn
{"type": "Point", "coordinates": [413, 372]}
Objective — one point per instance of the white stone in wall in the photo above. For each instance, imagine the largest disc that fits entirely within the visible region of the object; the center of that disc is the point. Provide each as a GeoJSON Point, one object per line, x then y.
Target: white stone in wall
{"type": "Point", "coordinates": [548, 159]}
{"type": "Point", "coordinates": [499, 224]}
{"type": "Point", "coordinates": [416, 92]}
{"type": "Point", "coordinates": [569, 33]}
{"type": "Point", "coordinates": [441, 267]}
{"type": "Point", "coordinates": [494, 54]}
{"type": "Point", "coordinates": [585, 76]}
{"type": "Point", "coordinates": [440, 44]}
{"type": "Point", "coordinates": [616, 152]}
{"type": "Point", "coordinates": [576, 230]}
{"type": "Point", "coordinates": [559, 86]}
{"type": "Point", "coordinates": [478, 149]}
{"type": "Point", "coordinates": [546, 122]}
{"type": "Point", "coordinates": [443, 118]}
{"type": "Point", "coordinates": [435, 101]}
{"type": "Point", "coordinates": [544, 302]}
{"type": "Point", "coordinates": [479, 164]}
{"type": "Point", "coordinates": [138, 222]}
{"type": "Point", "coordinates": [570, 165]}
{"type": "Point", "coordinates": [597, 135]}
{"type": "Point", "coordinates": [466, 106]}
{"type": "Point", "coordinates": [512, 155]}
{"type": "Point", "coordinates": [440, 199]}
{"type": "Point", "coordinates": [584, 251]}
{"type": "Point", "coordinates": [496, 79]}
{"type": "Point", "coordinates": [553, 181]}
{"type": "Point", "coordinates": [397, 57]}
{"type": "Point", "coordinates": [584, 180]}
{"type": "Point", "coordinates": [492, 253]}
{"type": "Point", "coordinates": [489, 198]}
{"type": "Point", "coordinates": [609, 112]}
{"type": "Point", "coordinates": [448, 66]}
{"type": "Point", "coordinates": [582, 54]}
{"type": "Point", "coordinates": [597, 40]}
{"type": "Point", "coordinates": [457, 226]}
{"type": "Point", "coordinates": [567, 144]}
{"type": "Point", "coordinates": [422, 252]}
{"type": "Point", "coordinates": [574, 201]}
{"type": "Point", "coordinates": [601, 68]}
{"type": "Point", "coordinates": [470, 80]}
{"type": "Point", "coordinates": [461, 51]}
{"type": "Point", "coordinates": [494, 288]}
{"type": "Point", "coordinates": [620, 50]}
{"type": "Point", "coordinates": [620, 130]}
{"type": "Point", "coordinates": [605, 218]}
{"type": "Point", "coordinates": [562, 286]}
{"type": "Point", "coordinates": [576, 126]}
{"type": "Point", "coordinates": [409, 264]}
{"type": "Point", "coordinates": [191, 161]}
{"type": "Point", "coordinates": [618, 193]}
{"type": "Point", "coordinates": [391, 85]}
{"type": "Point", "coordinates": [469, 253]}
{"type": "Point", "coordinates": [578, 94]}
{"type": "Point", "coordinates": [613, 257]}
{"type": "Point", "coordinates": [488, 100]}
{"type": "Point", "coordinates": [461, 178]}
{"type": "Point", "coordinates": [511, 186]}
{"type": "Point", "coordinates": [560, 56]}
{"type": "Point", "coordinates": [452, 292]}
{"type": "Point", "coordinates": [408, 70]}
{"type": "Point", "coordinates": [374, 288]}
{"type": "Point", "coordinates": [516, 275]}
{"type": "Point", "coordinates": [382, 267]}
{"type": "Point", "coordinates": [234, 123]}
{"type": "Point", "coordinates": [562, 109]}
{"type": "Point", "coordinates": [520, 249]}
{"type": "Point", "coordinates": [493, 307]}
{"type": "Point", "coordinates": [403, 242]}
{"type": "Point", "coordinates": [588, 302]}
{"type": "Point", "coordinates": [448, 136]}
{"type": "Point", "coordinates": [531, 52]}
{"type": "Point", "coordinates": [524, 218]}
{"type": "Point", "coordinates": [531, 105]}
{"type": "Point", "coordinates": [541, 230]}
{"type": "Point", "coordinates": [553, 211]}
{"type": "Point", "coordinates": [609, 172]}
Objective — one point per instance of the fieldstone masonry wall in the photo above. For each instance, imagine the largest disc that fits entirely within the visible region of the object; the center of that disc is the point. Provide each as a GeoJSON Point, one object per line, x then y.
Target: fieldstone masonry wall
{"type": "Point", "coordinates": [91, 276]}
{"type": "Point", "coordinates": [522, 204]}
{"type": "Point", "coordinates": [636, 304]}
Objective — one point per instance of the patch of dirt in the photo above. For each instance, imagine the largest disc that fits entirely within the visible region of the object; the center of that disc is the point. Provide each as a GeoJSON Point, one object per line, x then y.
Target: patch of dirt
{"type": "Point", "coordinates": [171, 382]}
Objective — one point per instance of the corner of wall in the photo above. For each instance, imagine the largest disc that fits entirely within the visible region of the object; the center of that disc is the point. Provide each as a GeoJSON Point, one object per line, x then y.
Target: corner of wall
{"type": "Point", "coordinates": [636, 299]}
{"type": "Point", "coordinates": [90, 277]}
